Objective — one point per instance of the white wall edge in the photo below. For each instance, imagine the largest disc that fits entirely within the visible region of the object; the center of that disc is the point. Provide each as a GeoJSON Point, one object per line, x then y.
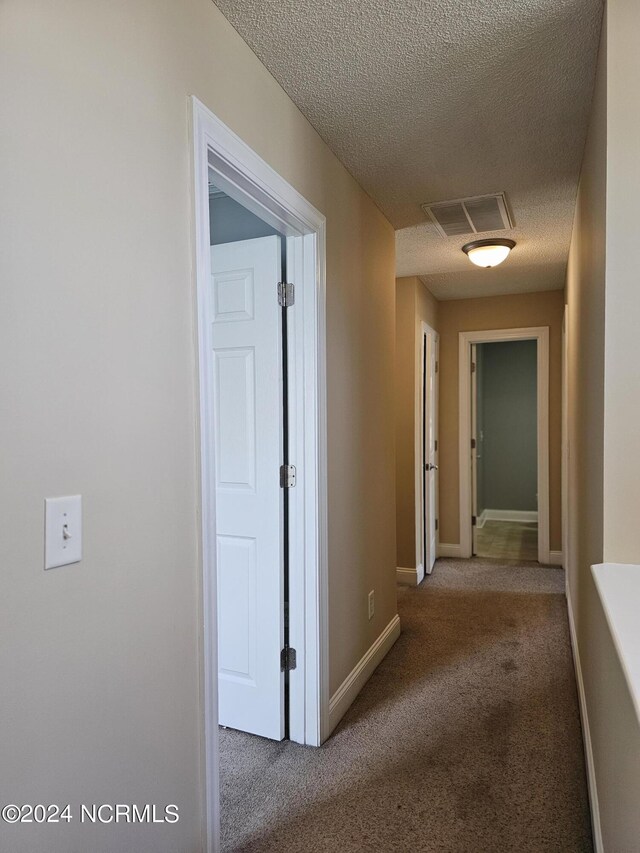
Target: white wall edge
{"type": "Point", "coordinates": [447, 550]}
{"type": "Point", "coordinates": [361, 673]}
{"type": "Point", "coordinates": [522, 515]}
{"type": "Point", "coordinates": [556, 558]}
{"type": "Point", "coordinates": [586, 736]}
{"type": "Point", "coordinates": [412, 577]}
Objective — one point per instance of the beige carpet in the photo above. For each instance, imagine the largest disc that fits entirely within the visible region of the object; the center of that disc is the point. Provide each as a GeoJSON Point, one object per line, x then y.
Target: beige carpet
{"type": "Point", "coordinates": [465, 740]}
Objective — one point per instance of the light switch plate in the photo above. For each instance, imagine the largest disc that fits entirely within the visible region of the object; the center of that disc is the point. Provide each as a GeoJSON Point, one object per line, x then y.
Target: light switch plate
{"type": "Point", "coordinates": [62, 531]}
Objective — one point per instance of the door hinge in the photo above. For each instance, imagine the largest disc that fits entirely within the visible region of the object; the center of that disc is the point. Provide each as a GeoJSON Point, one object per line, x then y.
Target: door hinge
{"type": "Point", "coordinates": [435, 444]}
{"type": "Point", "coordinates": [473, 521]}
{"type": "Point", "coordinates": [473, 444]}
{"type": "Point", "coordinates": [473, 367]}
{"type": "Point", "coordinates": [436, 523]}
{"type": "Point", "coordinates": [287, 476]}
{"type": "Point", "coordinates": [288, 659]}
{"type": "Point", "coordinates": [286, 294]}
{"type": "Point", "coordinates": [436, 366]}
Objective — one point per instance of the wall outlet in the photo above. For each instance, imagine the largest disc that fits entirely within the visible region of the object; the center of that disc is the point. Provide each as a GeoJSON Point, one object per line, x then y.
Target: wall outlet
{"type": "Point", "coordinates": [372, 603]}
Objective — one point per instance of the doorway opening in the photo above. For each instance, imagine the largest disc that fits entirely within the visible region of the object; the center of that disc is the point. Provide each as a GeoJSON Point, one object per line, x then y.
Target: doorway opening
{"type": "Point", "coordinates": [504, 449]}
{"type": "Point", "coordinates": [504, 443]}
{"type": "Point", "coordinates": [260, 273]}
{"type": "Point", "coordinates": [250, 419]}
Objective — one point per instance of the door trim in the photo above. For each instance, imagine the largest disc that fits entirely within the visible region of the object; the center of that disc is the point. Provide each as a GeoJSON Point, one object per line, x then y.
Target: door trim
{"type": "Point", "coordinates": [250, 180]}
{"type": "Point", "coordinates": [465, 340]}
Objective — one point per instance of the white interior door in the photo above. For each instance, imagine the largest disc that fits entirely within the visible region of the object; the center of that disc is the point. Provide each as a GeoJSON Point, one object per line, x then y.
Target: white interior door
{"type": "Point", "coordinates": [430, 447]}
{"type": "Point", "coordinates": [247, 417]}
{"type": "Point", "coordinates": [432, 450]}
{"type": "Point", "coordinates": [474, 447]}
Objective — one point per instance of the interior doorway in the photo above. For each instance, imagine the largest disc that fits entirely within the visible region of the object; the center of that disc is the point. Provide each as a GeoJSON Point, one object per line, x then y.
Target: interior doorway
{"type": "Point", "coordinates": [262, 390]}
{"type": "Point", "coordinates": [509, 534]}
{"type": "Point", "coordinates": [504, 449]}
{"type": "Point", "coordinates": [250, 414]}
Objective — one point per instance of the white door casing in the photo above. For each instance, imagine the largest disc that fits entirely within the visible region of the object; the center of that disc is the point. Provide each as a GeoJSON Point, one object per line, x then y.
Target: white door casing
{"type": "Point", "coordinates": [247, 416]}
{"type": "Point", "coordinates": [465, 341]}
{"type": "Point", "coordinates": [247, 178]}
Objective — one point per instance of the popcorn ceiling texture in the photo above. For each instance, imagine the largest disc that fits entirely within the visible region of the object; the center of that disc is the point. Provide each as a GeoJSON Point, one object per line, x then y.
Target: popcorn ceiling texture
{"type": "Point", "coordinates": [441, 99]}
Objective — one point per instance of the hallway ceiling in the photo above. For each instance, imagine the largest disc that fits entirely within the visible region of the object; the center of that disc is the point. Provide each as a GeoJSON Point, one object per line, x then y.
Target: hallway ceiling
{"type": "Point", "coordinates": [429, 100]}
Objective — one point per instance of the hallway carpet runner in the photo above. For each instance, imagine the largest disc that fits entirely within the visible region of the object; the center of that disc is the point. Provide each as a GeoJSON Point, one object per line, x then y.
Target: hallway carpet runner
{"type": "Point", "coordinates": [466, 739]}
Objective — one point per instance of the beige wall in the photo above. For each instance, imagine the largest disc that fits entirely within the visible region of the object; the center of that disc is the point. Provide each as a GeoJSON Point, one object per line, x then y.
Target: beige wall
{"type": "Point", "coordinates": [622, 357]}
{"type": "Point", "coordinates": [496, 312]}
{"type": "Point", "coordinates": [100, 660]}
{"type": "Point", "coordinates": [603, 408]}
{"type": "Point", "coordinates": [585, 296]}
{"type": "Point", "coordinates": [414, 303]}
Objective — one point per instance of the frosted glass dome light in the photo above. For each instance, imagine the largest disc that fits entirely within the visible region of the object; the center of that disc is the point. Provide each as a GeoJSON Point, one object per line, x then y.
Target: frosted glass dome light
{"type": "Point", "coordinates": [488, 253]}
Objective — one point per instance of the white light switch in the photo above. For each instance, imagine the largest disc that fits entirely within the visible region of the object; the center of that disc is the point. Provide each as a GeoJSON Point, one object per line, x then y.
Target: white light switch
{"type": "Point", "coordinates": [62, 531]}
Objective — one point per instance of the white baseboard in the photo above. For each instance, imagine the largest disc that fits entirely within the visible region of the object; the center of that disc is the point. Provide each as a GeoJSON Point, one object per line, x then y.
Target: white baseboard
{"type": "Point", "coordinates": [586, 735]}
{"type": "Point", "coordinates": [481, 518]}
{"type": "Point", "coordinates": [410, 577]}
{"type": "Point", "coordinates": [447, 550]}
{"type": "Point", "coordinates": [556, 558]}
{"type": "Point", "coordinates": [361, 673]}
{"type": "Point", "coordinates": [508, 515]}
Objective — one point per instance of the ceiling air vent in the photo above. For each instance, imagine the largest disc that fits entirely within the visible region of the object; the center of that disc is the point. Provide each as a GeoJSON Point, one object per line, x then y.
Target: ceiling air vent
{"type": "Point", "coordinates": [470, 215]}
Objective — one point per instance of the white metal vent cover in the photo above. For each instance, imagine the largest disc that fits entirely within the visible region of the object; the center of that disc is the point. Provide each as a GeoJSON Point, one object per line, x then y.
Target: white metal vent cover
{"type": "Point", "coordinates": [470, 215]}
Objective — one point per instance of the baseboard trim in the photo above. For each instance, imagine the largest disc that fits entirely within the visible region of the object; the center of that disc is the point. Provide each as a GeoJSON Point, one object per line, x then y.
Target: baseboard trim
{"type": "Point", "coordinates": [361, 673]}
{"type": "Point", "coordinates": [447, 550]}
{"type": "Point", "coordinates": [586, 735]}
{"type": "Point", "coordinates": [556, 558]}
{"type": "Point", "coordinates": [410, 577]}
{"type": "Point", "coordinates": [482, 518]}
{"type": "Point", "coordinates": [509, 515]}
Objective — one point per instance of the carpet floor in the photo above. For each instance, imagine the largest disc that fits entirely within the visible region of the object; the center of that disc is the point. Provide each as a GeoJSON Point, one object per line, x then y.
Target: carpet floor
{"type": "Point", "coordinates": [465, 740]}
{"type": "Point", "coordinates": [507, 540]}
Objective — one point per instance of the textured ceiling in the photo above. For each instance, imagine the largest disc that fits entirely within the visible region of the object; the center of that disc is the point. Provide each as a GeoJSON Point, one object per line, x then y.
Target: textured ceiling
{"type": "Point", "coordinates": [428, 100]}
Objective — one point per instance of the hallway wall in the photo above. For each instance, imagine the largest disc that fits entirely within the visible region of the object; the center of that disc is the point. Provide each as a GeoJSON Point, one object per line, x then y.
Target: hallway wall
{"type": "Point", "coordinates": [603, 307]}
{"type": "Point", "coordinates": [496, 312]}
{"type": "Point", "coordinates": [414, 304]}
{"type": "Point", "coordinates": [621, 533]}
{"type": "Point", "coordinates": [99, 385]}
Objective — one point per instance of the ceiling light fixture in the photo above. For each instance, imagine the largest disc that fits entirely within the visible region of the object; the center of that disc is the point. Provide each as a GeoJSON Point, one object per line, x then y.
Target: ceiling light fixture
{"type": "Point", "coordinates": [488, 253]}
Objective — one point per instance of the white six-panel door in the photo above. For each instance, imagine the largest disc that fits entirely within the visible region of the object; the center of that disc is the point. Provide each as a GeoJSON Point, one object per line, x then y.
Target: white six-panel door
{"type": "Point", "coordinates": [247, 401]}
{"type": "Point", "coordinates": [432, 453]}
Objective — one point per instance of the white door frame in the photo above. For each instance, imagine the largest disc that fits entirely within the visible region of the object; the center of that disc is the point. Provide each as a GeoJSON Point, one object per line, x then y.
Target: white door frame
{"type": "Point", "coordinates": [242, 174]}
{"type": "Point", "coordinates": [465, 339]}
{"type": "Point", "coordinates": [421, 520]}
